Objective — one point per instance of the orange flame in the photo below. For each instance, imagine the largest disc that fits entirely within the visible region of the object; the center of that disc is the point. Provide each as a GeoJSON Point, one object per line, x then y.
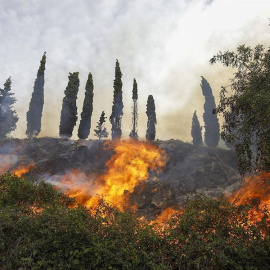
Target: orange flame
{"type": "Point", "coordinates": [255, 192]}
{"type": "Point", "coordinates": [21, 170]}
{"type": "Point", "coordinates": [165, 215]}
{"type": "Point", "coordinates": [129, 166]}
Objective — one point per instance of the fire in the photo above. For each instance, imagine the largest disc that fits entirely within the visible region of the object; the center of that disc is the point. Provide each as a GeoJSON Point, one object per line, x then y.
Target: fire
{"type": "Point", "coordinates": [21, 170]}
{"type": "Point", "coordinates": [130, 165]}
{"type": "Point", "coordinates": [255, 192]}
{"type": "Point", "coordinates": [166, 214]}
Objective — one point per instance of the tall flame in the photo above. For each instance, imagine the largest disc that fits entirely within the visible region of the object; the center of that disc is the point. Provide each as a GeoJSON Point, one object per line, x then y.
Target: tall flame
{"type": "Point", "coordinates": [254, 192]}
{"type": "Point", "coordinates": [130, 165]}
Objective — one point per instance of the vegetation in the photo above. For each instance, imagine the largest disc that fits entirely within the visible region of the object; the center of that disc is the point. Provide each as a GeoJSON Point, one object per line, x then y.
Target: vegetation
{"type": "Point", "coordinates": [246, 107]}
{"type": "Point", "coordinates": [69, 108]}
{"type": "Point", "coordinates": [152, 120]}
{"type": "Point", "coordinates": [34, 113]}
{"type": "Point", "coordinates": [40, 228]}
{"type": "Point", "coordinates": [85, 123]}
{"type": "Point", "coordinates": [117, 108]}
{"type": "Point", "coordinates": [8, 116]}
{"type": "Point", "coordinates": [211, 134]}
{"type": "Point", "coordinates": [100, 130]}
{"type": "Point", "coordinates": [196, 130]}
{"type": "Point", "coordinates": [134, 134]}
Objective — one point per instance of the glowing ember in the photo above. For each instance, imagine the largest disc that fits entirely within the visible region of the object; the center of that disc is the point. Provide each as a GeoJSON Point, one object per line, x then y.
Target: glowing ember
{"type": "Point", "coordinates": [21, 170]}
{"type": "Point", "coordinates": [129, 166]}
{"type": "Point", "coordinates": [255, 192]}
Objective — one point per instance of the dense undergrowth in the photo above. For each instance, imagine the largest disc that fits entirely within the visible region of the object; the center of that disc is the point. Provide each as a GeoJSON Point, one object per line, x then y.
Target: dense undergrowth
{"type": "Point", "coordinates": [41, 229]}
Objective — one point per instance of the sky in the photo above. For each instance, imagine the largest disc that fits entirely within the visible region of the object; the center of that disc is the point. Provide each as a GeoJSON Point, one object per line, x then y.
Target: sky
{"type": "Point", "coordinates": [165, 44]}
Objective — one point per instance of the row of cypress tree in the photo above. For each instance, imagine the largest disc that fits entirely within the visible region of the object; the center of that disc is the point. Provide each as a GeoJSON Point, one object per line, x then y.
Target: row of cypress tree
{"type": "Point", "coordinates": [211, 127]}
{"type": "Point", "coordinates": [68, 119]}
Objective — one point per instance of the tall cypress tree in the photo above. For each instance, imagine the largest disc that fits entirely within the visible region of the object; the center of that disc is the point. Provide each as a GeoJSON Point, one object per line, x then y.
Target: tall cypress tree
{"type": "Point", "coordinates": [196, 130]}
{"type": "Point", "coordinates": [211, 134]}
{"type": "Point", "coordinates": [69, 108]}
{"type": "Point", "coordinates": [34, 113]}
{"type": "Point", "coordinates": [151, 115]}
{"type": "Point", "coordinates": [85, 123]}
{"type": "Point", "coordinates": [117, 108]}
{"type": "Point", "coordinates": [133, 134]}
{"type": "Point", "coordinates": [8, 116]}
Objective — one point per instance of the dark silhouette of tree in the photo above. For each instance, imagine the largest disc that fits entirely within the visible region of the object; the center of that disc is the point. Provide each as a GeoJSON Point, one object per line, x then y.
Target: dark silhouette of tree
{"type": "Point", "coordinates": [134, 134]}
{"type": "Point", "coordinates": [85, 123]}
{"type": "Point", "coordinates": [246, 106]}
{"type": "Point", "coordinates": [100, 130]}
{"type": "Point", "coordinates": [196, 130]}
{"type": "Point", "coordinates": [69, 108]}
{"type": "Point", "coordinates": [34, 113]}
{"type": "Point", "coordinates": [117, 108]}
{"type": "Point", "coordinates": [8, 116]}
{"type": "Point", "coordinates": [151, 122]}
{"type": "Point", "coordinates": [211, 134]}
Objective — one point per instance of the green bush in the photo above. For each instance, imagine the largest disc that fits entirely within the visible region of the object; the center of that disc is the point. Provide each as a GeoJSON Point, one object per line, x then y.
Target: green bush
{"type": "Point", "coordinates": [210, 234]}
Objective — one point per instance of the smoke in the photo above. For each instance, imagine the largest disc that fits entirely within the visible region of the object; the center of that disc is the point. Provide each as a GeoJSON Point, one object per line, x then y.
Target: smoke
{"type": "Point", "coordinates": [165, 45]}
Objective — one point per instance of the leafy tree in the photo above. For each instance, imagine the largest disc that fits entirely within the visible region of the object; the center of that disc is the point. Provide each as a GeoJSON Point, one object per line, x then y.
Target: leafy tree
{"type": "Point", "coordinates": [117, 108]}
{"type": "Point", "coordinates": [101, 131]}
{"type": "Point", "coordinates": [8, 116]}
{"type": "Point", "coordinates": [85, 123]}
{"type": "Point", "coordinates": [151, 122]}
{"type": "Point", "coordinates": [246, 106]}
{"type": "Point", "coordinates": [34, 113]}
{"type": "Point", "coordinates": [133, 134]}
{"type": "Point", "coordinates": [196, 130]}
{"type": "Point", "coordinates": [69, 108]}
{"type": "Point", "coordinates": [211, 134]}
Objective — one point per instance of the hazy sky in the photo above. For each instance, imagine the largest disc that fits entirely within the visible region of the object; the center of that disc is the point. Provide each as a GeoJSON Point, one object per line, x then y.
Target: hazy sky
{"type": "Point", "coordinates": [165, 44]}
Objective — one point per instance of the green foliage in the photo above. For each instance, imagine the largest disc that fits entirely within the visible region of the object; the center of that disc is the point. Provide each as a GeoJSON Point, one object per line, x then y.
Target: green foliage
{"type": "Point", "coordinates": [213, 234]}
{"type": "Point", "coordinates": [152, 120]}
{"type": "Point", "coordinates": [34, 113]}
{"type": "Point", "coordinates": [246, 107]}
{"type": "Point", "coordinates": [41, 229]}
{"type": "Point", "coordinates": [100, 130]}
{"type": "Point", "coordinates": [196, 130]}
{"type": "Point", "coordinates": [8, 116]}
{"type": "Point", "coordinates": [69, 108]}
{"type": "Point", "coordinates": [117, 108]}
{"type": "Point", "coordinates": [85, 123]}
{"type": "Point", "coordinates": [211, 134]}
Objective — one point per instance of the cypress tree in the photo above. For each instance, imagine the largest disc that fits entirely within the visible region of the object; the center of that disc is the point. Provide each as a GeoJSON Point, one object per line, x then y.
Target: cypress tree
{"type": "Point", "coordinates": [8, 116]}
{"type": "Point", "coordinates": [85, 123]}
{"type": "Point", "coordinates": [151, 115]}
{"type": "Point", "coordinates": [117, 108]}
{"type": "Point", "coordinates": [69, 108]}
{"type": "Point", "coordinates": [196, 130]}
{"type": "Point", "coordinates": [211, 134]}
{"type": "Point", "coordinates": [100, 130]}
{"type": "Point", "coordinates": [133, 134]}
{"type": "Point", "coordinates": [34, 113]}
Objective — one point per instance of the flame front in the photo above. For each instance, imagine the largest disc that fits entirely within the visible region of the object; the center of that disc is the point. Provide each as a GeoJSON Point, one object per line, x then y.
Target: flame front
{"type": "Point", "coordinates": [130, 165]}
{"type": "Point", "coordinates": [256, 193]}
{"type": "Point", "coordinates": [21, 170]}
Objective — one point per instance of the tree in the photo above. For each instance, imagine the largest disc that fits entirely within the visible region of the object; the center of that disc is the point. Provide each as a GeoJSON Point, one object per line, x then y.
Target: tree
{"type": "Point", "coordinates": [196, 130]}
{"type": "Point", "coordinates": [69, 108]}
{"type": "Point", "coordinates": [85, 123]}
{"type": "Point", "coordinates": [246, 107]}
{"type": "Point", "coordinates": [8, 116]}
{"type": "Point", "coordinates": [133, 134]}
{"type": "Point", "coordinates": [117, 108]}
{"type": "Point", "coordinates": [101, 131]}
{"type": "Point", "coordinates": [151, 122]}
{"type": "Point", "coordinates": [34, 113]}
{"type": "Point", "coordinates": [211, 134]}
